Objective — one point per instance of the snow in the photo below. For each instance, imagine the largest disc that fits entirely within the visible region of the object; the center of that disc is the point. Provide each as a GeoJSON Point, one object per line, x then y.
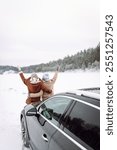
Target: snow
{"type": "Point", "coordinates": [12, 100]}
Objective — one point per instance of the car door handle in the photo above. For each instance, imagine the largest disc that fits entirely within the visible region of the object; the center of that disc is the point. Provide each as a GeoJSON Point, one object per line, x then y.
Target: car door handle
{"type": "Point", "coordinates": [44, 137]}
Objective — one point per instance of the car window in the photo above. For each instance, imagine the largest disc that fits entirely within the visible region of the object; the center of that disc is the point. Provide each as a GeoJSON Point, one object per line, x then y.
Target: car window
{"type": "Point", "coordinates": [84, 123]}
{"type": "Point", "coordinates": [54, 108]}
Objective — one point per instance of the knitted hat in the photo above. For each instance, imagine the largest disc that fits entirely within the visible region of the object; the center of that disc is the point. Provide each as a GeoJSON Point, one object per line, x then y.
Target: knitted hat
{"type": "Point", "coordinates": [34, 75]}
{"type": "Point", "coordinates": [45, 77]}
{"type": "Point", "coordinates": [34, 78]}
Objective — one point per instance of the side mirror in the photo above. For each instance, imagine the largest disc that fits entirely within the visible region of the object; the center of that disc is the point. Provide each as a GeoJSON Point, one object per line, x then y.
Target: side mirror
{"type": "Point", "coordinates": [32, 112]}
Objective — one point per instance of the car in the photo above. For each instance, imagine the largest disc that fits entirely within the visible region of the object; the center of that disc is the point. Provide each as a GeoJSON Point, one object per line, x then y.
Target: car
{"type": "Point", "coordinates": [66, 121]}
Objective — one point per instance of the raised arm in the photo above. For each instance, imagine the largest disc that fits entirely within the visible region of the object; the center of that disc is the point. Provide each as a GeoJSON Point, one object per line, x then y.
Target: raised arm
{"type": "Point", "coordinates": [22, 75]}
{"type": "Point", "coordinates": [55, 75]}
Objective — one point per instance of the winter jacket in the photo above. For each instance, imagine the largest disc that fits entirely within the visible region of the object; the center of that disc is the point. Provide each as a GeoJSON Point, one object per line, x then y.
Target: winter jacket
{"type": "Point", "coordinates": [34, 88]}
{"type": "Point", "coordinates": [49, 84]}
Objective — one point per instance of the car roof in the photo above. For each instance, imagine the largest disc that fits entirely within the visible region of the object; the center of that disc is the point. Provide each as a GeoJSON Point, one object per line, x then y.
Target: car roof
{"type": "Point", "coordinates": [90, 95]}
{"type": "Point", "coordinates": [88, 92]}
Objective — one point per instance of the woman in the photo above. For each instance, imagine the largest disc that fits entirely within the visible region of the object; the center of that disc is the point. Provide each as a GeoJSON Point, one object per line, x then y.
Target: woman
{"type": "Point", "coordinates": [34, 85]}
{"type": "Point", "coordinates": [49, 83]}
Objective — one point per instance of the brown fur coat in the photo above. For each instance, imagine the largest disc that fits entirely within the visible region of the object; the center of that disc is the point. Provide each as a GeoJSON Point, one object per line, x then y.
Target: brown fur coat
{"type": "Point", "coordinates": [34, 88]}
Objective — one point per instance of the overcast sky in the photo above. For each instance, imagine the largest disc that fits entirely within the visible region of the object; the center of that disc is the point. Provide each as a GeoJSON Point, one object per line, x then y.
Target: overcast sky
{"type": "Point", "coordinates": [38, 31]}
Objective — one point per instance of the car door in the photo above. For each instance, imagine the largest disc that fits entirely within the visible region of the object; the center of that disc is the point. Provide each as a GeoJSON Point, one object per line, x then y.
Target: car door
{"type": "Point", "coordinates": [80, 129]}
{"type": "Point", "coordinates": [46, 124]}
{"type": "Point", "coordinates": [83, 125]}
{"type": "Point", "coordinates": [60, 140]}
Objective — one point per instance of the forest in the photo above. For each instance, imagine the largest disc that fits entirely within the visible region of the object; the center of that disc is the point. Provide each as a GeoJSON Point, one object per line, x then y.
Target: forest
{"type": "Point", "coordinates": [85, 59]}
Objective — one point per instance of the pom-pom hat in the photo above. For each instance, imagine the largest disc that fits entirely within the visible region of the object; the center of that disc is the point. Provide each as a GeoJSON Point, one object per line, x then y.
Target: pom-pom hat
{"type": "Point", "coordinates": [45, 77]}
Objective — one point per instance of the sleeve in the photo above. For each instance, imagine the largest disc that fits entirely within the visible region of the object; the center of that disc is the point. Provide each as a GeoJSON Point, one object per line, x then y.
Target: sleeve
{"type": "Point", "coordinates": [22, 77]}
{"type": "Point", "coordinates": [33, 95]}
{"type": "Point", "coordinates": [54, 77]}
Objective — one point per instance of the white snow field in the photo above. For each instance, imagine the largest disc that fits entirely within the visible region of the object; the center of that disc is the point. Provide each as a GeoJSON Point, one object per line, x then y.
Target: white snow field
{"type": "Point", "coordinates": [12, 100]}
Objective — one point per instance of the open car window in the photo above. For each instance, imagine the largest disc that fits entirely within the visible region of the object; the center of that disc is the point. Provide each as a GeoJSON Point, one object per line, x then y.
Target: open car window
{"type": "Point", "coordinates": [54, 108]}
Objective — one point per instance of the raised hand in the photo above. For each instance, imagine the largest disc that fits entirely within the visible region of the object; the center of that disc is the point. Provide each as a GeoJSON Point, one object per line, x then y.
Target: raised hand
{"type": "Point", "coordinates": [58, 68]}
{"type": "Point", "coordinates": [19, 68]}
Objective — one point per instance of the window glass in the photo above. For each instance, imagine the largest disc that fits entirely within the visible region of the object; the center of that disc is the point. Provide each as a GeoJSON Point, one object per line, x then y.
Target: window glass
{"type": "Point", "coordinates": [54, 108]}
{"type": "Point", "coordinates": [84, 123]}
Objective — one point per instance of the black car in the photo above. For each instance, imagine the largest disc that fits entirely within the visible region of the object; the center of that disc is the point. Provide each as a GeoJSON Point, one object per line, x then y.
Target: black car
{"type": "Point", "coordinates": [66, 121]}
